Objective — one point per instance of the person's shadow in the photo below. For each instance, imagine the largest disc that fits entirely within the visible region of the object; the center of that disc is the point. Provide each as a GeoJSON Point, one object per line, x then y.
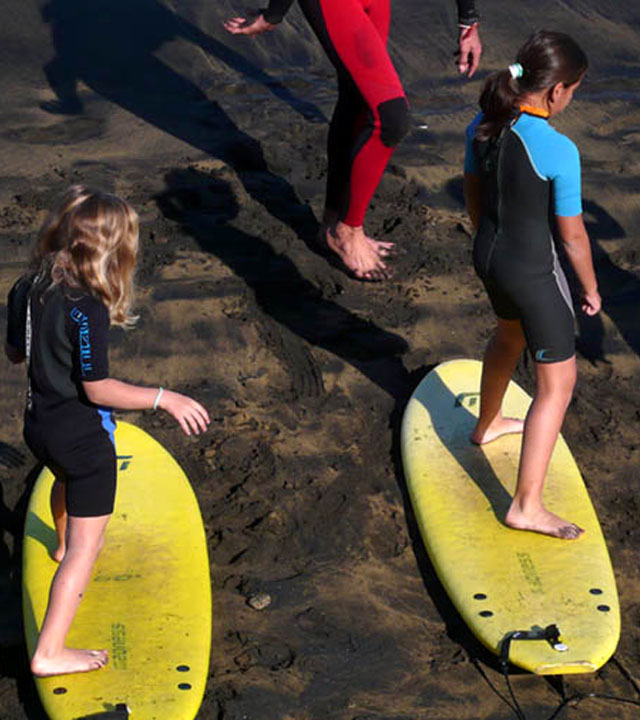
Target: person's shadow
{"type": "Point", "coordinates": [109, 45]}
{"type": "Point", "coordinates": [619, 289]}
{"type": "Point", "coordinates": [204, 204]}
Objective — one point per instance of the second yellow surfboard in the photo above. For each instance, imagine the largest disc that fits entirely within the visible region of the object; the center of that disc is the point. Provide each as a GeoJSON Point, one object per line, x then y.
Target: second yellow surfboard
{"type": "Point", "coordinates": [503, 580]}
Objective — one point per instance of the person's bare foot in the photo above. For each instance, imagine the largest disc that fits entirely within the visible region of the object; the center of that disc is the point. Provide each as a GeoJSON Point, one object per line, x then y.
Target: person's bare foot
{"type": "Point", "coordinates": [541, 521]}
{"type": "Point", "coordinates": [360, 254]}
{"type": "Point", "coordinates": [68, 661]}
{"type": "Point", "coordinates": [499, 427]}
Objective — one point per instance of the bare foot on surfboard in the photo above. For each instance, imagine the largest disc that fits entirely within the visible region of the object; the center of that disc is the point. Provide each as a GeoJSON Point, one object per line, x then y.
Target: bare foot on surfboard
{"type": "Point", "coordinates": [542, 521]}
{"type": "Point", "coordinates": [362, 255]}
{"type": "Point", "coordinates": [499, 427]}
{"type": "Point", "coordinates": [69, 661]}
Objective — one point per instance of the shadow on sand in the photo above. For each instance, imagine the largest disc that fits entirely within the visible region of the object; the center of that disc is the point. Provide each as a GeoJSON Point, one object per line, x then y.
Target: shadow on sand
{"type": "Point", "coordinates": [110, 46]}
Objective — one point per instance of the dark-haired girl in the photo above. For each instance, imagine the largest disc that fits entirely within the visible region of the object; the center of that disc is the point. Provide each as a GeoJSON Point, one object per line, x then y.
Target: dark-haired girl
{"type": "Point", "coordinates": [522, 188]}
{"type": "Point", "coordinates": [371, 115]}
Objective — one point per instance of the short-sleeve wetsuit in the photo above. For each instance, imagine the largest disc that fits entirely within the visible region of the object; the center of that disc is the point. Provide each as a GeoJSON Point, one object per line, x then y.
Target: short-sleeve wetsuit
{"type": "Point", "coordinates": [371, 115]}
{"type": "Point", "coordinates": [63, 334]}
{"type": "Point", "coordinates": [528, 175]}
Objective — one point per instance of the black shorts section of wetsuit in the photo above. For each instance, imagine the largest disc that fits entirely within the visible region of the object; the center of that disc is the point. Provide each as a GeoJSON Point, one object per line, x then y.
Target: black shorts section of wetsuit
{"type": "Point", "coordinates": [86, 462]}
{"type": "Point", "coordinates": [514, 252]}
{"type": "Point", "coordinates": [546, 317]}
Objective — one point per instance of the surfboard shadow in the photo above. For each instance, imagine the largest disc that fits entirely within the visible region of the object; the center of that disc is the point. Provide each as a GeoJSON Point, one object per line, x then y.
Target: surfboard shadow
{"type": "Point", "coordinates": [470, 457]}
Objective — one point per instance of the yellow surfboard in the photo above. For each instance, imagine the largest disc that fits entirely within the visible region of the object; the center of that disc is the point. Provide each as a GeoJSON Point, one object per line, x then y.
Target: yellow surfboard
{"type": "Point", "coordinates": [502, 580]}
{"type": "Point", "coordinates": [149, 599]}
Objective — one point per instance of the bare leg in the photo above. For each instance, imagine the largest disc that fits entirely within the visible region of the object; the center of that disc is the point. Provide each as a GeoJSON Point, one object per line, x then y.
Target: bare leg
{"type": "Point", "coordinates": [554, 386]}
{"type": "Point", "coordinates": [84, 541]}
{"type": "Point", "coordinates": [59, 512]}
{"type": "Point", "coordinates": [361, 254]}
{"type": "Point", "coordinates": [500, 359]}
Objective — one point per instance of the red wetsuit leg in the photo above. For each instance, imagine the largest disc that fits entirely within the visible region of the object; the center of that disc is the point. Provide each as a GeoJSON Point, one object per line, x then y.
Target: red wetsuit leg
{"type": "Point", "coordinates": [371, 115]}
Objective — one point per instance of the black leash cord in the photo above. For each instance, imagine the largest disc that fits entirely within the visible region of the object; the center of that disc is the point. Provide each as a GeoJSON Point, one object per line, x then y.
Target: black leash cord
{"type": "Point", "coordinates": [552, 635]}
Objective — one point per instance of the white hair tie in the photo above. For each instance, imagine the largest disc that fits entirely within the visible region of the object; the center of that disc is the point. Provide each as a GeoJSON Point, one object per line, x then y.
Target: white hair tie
{"type": "Point", "coordinates": [516, 71]}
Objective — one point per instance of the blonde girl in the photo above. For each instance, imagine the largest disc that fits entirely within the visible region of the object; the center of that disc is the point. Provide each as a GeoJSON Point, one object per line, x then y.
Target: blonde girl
{"type": "Point", "coordinates": [58, 320]}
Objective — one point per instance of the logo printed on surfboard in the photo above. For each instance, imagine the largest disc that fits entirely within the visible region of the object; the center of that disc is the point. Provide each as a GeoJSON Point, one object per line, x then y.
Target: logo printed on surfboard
{"type": "Point", "coordinates": [529, 571]}
{"type": "Point", "coordinates": [126, 461]}
{"type": "Point", "coordinates": [119, 646]}
{"type": "Point", "coordinates": [468, 399]}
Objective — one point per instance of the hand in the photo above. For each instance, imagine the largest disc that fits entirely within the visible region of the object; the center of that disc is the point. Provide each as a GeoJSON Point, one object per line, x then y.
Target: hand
{"type": "Point", "coordinates": [591, 302]}
{"type": "Point", "coordinates": [254, 25]}
{"type": "Point", "coordinates": [470, 49]}
{"type": "Point", "coordinates": [188, 412]}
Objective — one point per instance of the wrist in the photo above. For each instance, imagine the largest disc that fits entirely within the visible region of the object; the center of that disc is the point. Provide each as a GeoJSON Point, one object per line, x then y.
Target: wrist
{"type": "Point", "coordinates": [466, 31]}
{"type": "Point", "coordinates": [158, 399]}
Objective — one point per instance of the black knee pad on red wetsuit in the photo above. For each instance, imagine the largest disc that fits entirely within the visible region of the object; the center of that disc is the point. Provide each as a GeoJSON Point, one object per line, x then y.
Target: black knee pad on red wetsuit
{"type": "Point", "coordinates": [394, 121]}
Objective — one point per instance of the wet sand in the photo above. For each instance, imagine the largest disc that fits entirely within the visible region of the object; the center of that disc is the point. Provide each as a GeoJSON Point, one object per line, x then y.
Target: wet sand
{"type": "Point", "coordinates": [219, 144]}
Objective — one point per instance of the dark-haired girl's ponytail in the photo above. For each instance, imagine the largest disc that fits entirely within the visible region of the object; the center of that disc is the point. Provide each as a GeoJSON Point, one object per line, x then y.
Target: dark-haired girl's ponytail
{"type": "Point", "coordinates": [498, 104]}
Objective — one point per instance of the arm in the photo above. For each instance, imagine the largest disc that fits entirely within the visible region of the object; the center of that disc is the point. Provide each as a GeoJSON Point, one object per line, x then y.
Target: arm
{"type": "Point", "coordinates": [260, 21]}
{"type": "Point", "coordinates": [575, 240]}
{"type": "Point", "coordinates": [470, 47]}
{"type": "Point", "coordinates": [115, 393]}
{"type": "Point", "coordinates": [472, 198]}
{"type": "Point", "coordinates": [17, 302]}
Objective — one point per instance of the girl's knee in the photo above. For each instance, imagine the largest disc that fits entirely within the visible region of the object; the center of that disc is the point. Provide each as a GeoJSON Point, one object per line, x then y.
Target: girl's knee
{"type": "Point", "coordinates": [557, 379]}
{"type": "Point", "coordinates": [509, 339]}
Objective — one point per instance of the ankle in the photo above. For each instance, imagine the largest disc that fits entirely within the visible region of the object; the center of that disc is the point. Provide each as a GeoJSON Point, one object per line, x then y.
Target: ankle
{"type": "Point", "coordinates": [526, 504]}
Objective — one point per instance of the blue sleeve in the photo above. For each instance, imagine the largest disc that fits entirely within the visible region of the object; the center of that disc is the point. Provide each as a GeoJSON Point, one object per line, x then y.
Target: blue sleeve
{"type": "Point", "coordinates": [470, 161]}
{"type": "Point", "coordinates": [565, 176]}
{"type": "Point", "coordinates": [90, 329]}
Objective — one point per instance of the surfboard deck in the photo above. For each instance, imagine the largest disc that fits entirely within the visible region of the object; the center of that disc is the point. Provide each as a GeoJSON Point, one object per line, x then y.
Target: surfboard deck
{"type": "Point", "coordinates": [499, 579]}
{"type": "Point", "coordinates": [149, 599]}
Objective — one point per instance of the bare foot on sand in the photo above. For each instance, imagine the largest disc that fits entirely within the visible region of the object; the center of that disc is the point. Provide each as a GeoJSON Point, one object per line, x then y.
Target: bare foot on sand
{"type": "Point", "coordinates": [360, 254]}
{"type": "Point", "coordinates": [500, 426]}
{"type": "Point", "coordinates": [542, 521]}
{"type": "Point", "coordinates": [69, 661]}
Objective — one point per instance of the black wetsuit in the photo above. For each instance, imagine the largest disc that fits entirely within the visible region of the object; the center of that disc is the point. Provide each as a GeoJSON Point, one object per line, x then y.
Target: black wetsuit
{"type": "Point", "coordinates": [63, 334]}
{"type": "Point", "coordinates": [371, 114]}
{"type": "Point", "coordinates": [528, 175]}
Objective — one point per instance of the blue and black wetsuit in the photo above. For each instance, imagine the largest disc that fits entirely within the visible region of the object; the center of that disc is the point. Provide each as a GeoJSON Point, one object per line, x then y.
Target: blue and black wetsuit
{"type": "Point", "coordinates": [63, 334]}
{"type": "Point", "coordinates": [529, 174]}
{"type": "Point", "coordinates": [372, 114]}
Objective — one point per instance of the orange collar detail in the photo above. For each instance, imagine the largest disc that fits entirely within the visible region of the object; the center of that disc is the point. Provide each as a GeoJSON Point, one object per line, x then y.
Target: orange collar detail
{"type": "Point", "coordinates": [530, 110]}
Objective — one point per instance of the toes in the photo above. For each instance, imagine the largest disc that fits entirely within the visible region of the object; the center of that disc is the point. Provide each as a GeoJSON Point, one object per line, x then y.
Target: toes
{"type": "Point", "coordinates": [377, 275]}
{"type": "Point", "coordinates": [570, 532]}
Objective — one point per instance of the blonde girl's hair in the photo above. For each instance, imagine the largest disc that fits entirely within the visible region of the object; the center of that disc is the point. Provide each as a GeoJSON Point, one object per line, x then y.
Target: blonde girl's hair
{"type": "Point", "coordinates": [90, 241]}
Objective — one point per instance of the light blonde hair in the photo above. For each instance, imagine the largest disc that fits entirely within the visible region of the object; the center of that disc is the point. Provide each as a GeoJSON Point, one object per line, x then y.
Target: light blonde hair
{"type": "Point", "coordinates": [90, 241]}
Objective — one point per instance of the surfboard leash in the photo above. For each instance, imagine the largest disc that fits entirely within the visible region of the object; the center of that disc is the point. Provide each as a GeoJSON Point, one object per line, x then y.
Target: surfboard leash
{"type": "Point", "coordinates": [552, 635]}
{"type": "Point", "coordinates": [119, 712]}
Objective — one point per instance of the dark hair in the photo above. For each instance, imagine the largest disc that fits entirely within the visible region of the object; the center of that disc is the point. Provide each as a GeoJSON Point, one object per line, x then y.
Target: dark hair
{"type": "Point", "coordinates": [546, 58]}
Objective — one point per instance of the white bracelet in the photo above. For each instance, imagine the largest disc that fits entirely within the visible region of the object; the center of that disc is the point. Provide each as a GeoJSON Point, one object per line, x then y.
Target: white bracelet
{"type": "Point", "coordinates": [157, 400]}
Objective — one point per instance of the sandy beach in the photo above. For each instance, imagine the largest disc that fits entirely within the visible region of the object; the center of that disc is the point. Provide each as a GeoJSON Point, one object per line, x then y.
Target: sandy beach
{"type": "Point", "coordinates": [219, 143]}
